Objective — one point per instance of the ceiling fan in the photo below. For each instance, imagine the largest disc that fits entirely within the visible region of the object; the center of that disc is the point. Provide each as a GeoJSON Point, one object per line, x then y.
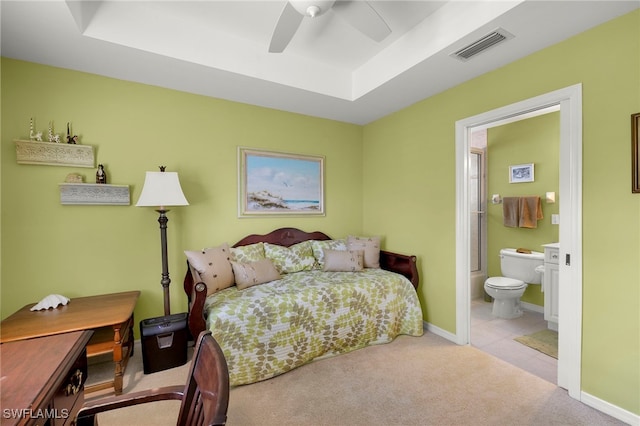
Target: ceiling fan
{"type": "Point", "coordinates": [360, 14]}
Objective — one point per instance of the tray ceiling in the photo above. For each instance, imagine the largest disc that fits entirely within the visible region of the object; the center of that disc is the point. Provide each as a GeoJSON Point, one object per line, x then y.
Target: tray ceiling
{"type": "Point", "coordinates": [329, 69]}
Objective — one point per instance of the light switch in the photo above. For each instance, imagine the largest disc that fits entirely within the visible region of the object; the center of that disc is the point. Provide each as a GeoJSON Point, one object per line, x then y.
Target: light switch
{"type": "Point", "coordinates": [555, 219]}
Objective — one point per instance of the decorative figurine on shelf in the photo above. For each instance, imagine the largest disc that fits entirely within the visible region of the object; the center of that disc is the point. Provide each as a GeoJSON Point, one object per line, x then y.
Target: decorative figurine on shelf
{"type": "Point", "coordinates": [33, 135]}
{"type": "Point", "coordinates": [53, 138]}
{"type": "Point", "coordinates": [101, 176]}
{"type": "Point", "coordinates": [71, 139]}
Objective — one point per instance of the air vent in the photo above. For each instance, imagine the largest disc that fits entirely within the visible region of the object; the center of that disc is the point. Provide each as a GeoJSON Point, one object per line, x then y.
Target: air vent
{"type": "Point", "coordinates": [484, 43]}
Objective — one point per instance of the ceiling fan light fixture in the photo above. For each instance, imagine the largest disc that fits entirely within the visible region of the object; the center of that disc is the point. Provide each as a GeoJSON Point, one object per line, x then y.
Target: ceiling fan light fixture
{"type": "Point", "coordinates": [313, 11]}
{"type": "Point", "coordinates": [358, 13]}
{"type": "Point", "coordinates": [312, 8]}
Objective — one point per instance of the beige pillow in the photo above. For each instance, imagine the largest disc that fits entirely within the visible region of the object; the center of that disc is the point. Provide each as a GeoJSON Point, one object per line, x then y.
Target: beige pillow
{"type": "Point", "coordinates": [319, 246]}
{"type": "Point", "coordinates": [214, 267]}
{"type": "Point", "coordinates": [343, 260]}
{"type": "Point", "coordinates": [371, 247]}
{"type": "Point", "coordinates": [254, 273]}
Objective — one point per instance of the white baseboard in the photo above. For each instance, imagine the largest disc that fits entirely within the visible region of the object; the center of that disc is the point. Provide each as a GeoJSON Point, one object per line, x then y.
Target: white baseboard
{"type": "Point", "coordinates": [439, 332]}
{"type": "Point", "coordinates": [531, 307]}
{"type": "Point", "coordinates": [610, 409]}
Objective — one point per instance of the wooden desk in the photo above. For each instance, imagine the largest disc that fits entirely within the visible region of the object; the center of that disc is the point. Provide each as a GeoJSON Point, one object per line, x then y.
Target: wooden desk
{"type": "Point", "coordinates": [43, 379]}
{"type": "Point", "coordinates": [110, 316]}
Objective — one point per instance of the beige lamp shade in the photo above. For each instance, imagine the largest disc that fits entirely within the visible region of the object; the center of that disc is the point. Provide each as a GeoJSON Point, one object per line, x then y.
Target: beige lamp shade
{"type": "Point", "coordinates": [161, 189]}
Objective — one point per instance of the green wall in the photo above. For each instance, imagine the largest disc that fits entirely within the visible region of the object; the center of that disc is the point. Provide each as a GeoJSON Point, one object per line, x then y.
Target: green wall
{"type": "Point", "coordinates": [415, 148]}
{"type": "Point", "coordinates": [401, 166]}
{"type": "Point", "coordinates": [535, 140]}
{"type": "Point", "coordinates": [85, 250]}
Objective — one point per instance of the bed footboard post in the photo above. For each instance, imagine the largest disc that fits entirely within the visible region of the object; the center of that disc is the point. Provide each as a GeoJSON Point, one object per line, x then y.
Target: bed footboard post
{"type": "Point", "coordinates": [196, 295]}
{"type": "Point", "coordinates": [197, 323]}
{"type": "Point", "coordinates": [401, 264]}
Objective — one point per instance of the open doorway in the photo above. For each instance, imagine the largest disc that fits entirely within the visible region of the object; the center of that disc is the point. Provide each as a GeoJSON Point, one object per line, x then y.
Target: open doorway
{"type": "Point", "coordinates": [569, 101]}
{"type": "Point", "coordinates": [528, 139]}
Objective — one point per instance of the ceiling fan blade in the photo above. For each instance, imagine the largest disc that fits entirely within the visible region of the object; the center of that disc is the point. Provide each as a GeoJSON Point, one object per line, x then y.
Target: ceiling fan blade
{"type": "Point", "coordinates": [363, 17]}
{"type": "Point", "coordinates": [286, 27]}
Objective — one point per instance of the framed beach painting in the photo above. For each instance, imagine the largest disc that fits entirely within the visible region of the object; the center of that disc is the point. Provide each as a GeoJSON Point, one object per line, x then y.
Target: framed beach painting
{"type": "Point", "coordinates": [277, 183]}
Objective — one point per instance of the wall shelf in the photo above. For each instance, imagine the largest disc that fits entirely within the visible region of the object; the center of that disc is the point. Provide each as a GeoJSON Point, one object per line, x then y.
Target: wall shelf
{"type": "Point", "coordinates": [54, 154]}
{"type": "Point", "coordinates": [94, 194]}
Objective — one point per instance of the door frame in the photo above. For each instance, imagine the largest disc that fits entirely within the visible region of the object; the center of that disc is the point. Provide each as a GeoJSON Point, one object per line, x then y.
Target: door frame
{"type": "Point", "coordinates": [569, 101]}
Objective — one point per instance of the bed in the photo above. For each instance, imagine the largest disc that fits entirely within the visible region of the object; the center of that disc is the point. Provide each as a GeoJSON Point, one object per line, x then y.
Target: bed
{"type": "Point", "coordinates": [268, 329]}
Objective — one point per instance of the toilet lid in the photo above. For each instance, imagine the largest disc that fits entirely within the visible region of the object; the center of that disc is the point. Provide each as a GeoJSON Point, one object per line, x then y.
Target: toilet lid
{"type": "Point", "coordinates": [504, 282]}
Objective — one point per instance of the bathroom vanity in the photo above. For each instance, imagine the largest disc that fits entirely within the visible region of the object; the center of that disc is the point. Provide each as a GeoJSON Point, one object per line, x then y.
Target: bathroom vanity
{"type": "Point", "coordinates": [550, 284]}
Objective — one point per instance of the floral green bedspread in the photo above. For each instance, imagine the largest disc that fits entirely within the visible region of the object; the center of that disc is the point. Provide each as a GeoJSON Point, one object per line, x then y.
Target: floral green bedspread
{"type": "Point", "coordinates": [269, 329]}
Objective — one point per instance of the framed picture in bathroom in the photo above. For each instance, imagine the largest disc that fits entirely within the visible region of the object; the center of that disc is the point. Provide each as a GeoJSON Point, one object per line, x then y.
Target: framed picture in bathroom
{"type": "Point", "coordinates": [635, 153]}
{"type": "Point", "coordinates": [521, 173]}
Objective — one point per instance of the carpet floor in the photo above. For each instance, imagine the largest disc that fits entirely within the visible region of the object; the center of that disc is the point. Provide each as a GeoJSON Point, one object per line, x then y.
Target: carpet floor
{"type": "Point", "coordinates": [411, 381]}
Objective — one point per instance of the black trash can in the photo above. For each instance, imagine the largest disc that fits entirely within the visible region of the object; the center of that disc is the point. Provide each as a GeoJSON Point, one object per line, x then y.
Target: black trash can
{"type": "Point", "coordinates": [164, 342]}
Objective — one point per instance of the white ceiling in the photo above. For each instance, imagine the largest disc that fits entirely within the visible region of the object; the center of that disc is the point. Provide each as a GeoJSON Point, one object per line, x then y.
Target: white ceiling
{"type": "Point", "coordinates": [330, 70]}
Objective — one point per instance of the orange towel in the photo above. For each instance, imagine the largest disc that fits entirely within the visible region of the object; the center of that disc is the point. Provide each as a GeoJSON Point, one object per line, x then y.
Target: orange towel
{"type": "Point", "coordinates": [530, 212]}
{"type": "Point", "coordinates": [510, 211]}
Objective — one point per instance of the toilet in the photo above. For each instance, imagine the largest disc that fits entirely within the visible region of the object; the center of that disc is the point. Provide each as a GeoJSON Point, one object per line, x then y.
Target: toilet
{"type": "Point", "coordinates": [518, 270]}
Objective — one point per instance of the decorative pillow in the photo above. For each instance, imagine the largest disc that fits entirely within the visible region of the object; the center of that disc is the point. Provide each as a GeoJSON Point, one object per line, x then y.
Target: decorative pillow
{"type": "Point", "coordinates": [298, 257]}
{"type": "Point", "coordinates": [343, 260]}
{"type": "Point", "coordinates": [319, 246]}
{"type": "Point", "coordinates": [212, 264]}
{"type": "Point", "coordinates": [246, 254]}
{"type": "Point", "coordinates": [254, 273]}
{"type": "Point", "coordinates": [371, 247]}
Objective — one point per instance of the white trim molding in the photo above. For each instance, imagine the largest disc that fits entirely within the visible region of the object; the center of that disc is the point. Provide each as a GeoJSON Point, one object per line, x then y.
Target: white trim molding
{"type": "Point", "coordinates": [439, 331]}
{"type": "Point", "coordinates": [610, 409]}
{"type": "Point", "coordinates": [532, 307]}
{"type": "Point", "coordinates": [569, 101]}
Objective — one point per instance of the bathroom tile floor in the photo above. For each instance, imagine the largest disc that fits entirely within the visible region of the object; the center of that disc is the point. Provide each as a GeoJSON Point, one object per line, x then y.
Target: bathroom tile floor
{"type": "Point", "coordinates": [495, 336]}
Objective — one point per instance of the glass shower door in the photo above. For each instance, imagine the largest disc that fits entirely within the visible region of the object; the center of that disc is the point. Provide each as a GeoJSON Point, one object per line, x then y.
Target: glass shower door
{"type": "Point", "coordinates": [477, 204]}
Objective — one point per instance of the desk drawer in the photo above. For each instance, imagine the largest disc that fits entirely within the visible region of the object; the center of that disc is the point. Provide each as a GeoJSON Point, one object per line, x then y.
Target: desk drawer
{"type": "Point", "coordinates": [70, 395]}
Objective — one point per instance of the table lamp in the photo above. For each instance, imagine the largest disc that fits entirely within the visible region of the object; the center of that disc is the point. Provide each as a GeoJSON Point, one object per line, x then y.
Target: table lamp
{"type": "Point", "coordinates": [162, 189]}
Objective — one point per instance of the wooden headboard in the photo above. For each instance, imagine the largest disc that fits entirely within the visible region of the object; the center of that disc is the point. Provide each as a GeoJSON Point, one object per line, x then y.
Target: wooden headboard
{"type": "Point", "coordinates": [283, 237]}
{"type": "Point", "coordinates": [196, 292]}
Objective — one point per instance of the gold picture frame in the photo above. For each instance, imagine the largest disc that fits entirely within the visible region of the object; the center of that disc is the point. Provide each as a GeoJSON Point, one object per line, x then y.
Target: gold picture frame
{"type": "Point", "coordinates": [635, 153]}
{"type": "Point", "coordinates": [276, 183]}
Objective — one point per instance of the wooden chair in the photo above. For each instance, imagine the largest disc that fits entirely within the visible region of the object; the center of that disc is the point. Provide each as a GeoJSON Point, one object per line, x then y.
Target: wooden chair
{"type": "Point", "coordinates": [205, 397]}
